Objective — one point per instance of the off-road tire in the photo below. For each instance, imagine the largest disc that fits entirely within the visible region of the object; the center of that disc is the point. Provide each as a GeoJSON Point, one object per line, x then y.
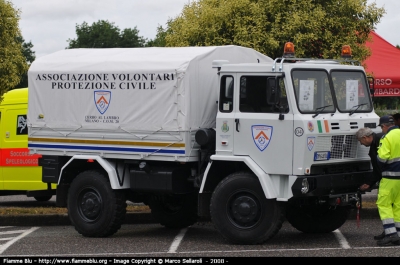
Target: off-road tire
{"type": "Point", "coordinates": [175, 211]}
{"type": "Point", "coordinates": [241, 212]}
{"type": "Point", "coordinates": [316, 218]}
{"type": "Point", "coordinates": [94, 208]}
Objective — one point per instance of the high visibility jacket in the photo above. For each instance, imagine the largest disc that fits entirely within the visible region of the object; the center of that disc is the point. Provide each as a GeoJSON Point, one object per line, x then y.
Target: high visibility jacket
{"type": "Point", "coordinates": [389, 154]}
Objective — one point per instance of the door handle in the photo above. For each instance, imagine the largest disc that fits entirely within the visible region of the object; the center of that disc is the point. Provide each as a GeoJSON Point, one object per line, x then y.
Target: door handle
{"type": "Point", "coordinates": [237, 124]}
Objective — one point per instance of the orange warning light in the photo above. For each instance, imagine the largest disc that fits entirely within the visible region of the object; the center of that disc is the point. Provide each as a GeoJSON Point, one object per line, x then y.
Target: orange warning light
{"type": "Point", "coordinates": [346, 51]}
{"type": "Point", "coordinates": [288, 50]}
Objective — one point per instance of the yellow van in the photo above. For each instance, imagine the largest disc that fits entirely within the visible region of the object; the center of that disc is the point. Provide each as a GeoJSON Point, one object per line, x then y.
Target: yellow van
{"type": "Point", "coordinates": [19, 170]}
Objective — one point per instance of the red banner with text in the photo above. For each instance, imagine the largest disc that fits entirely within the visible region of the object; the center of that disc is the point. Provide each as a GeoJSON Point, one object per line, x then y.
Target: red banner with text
{"type": "Point", "coordinates": [18, 157]}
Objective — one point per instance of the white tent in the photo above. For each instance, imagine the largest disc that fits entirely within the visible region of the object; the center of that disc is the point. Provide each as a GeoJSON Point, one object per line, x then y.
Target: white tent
{"type": "Point", "coordinates": [129, 89]}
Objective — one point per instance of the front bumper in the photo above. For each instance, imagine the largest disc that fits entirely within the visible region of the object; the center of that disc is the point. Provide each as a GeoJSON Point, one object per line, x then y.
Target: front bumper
{"type": "Point", "coordinates": [331, 184]}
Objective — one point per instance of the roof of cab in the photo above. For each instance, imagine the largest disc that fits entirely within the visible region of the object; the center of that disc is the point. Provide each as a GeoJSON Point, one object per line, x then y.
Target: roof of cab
{"type": "Point", "coordinates": [15, 96]}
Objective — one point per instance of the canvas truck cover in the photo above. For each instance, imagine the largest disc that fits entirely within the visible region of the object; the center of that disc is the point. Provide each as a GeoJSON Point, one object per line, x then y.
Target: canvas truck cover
{"type": "Point", "coordinates": [129, 89]}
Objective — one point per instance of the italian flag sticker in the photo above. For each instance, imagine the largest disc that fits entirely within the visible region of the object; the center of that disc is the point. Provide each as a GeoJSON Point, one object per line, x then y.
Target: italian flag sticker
{"type": "Point", "coordinates": [323, 126]}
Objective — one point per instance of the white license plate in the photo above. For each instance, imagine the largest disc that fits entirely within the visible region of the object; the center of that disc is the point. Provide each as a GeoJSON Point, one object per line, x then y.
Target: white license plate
{"type": "Point", "coordinates": [318, 156]}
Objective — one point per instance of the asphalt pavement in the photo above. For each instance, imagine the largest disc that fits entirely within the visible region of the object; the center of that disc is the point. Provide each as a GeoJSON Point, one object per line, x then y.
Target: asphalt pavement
{"type": "Point", "coordinates": [369, 212]}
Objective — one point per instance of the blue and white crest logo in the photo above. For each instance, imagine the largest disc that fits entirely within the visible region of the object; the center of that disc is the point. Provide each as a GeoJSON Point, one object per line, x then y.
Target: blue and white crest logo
{"type": "Point", "coordinates": [262, 135]}
{"type": "Point", "coordinates": [310, 143]}
{"type": "Point", "coordinates": [102, 100]}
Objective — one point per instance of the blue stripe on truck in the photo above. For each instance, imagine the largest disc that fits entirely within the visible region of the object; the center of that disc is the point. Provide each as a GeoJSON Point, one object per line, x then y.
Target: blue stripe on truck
{"type": "Point", "coordinates": [104, 148]}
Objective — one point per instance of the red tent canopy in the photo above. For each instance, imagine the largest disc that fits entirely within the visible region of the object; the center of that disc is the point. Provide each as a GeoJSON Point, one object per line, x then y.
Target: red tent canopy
{"type": "Point", "coordinates": [384, 65]}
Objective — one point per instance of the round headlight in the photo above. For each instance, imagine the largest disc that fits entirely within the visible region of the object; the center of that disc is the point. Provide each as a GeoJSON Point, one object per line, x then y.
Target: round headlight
{"type": "Point", "coordinates": [305, 186]}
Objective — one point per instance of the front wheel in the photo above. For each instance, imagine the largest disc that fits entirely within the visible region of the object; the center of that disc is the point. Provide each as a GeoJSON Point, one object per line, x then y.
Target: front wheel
{"type": "Point", "coordinates": [241, 212]}
{"type": "Point", "coordinates": [94, 208]}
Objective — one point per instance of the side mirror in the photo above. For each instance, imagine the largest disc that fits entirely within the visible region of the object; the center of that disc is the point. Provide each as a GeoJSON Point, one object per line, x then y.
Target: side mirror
{"type": "Point", "coordinates": [372, 91]}
{"type": "Point", "coordinates": [371, 81]}
{"type": "Point", "coordinates": [272, 91]}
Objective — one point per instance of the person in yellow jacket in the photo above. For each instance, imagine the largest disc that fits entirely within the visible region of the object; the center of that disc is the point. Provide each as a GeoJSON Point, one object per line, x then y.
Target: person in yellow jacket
{"type": "Point", "coordinates": [388, 201]}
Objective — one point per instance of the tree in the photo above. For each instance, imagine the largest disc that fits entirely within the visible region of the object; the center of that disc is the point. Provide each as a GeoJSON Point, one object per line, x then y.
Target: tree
{"type": "Point", "coordinates": [318, 28]}
{"type": "Point", "coordinates": [29, 56]}
{"type": "Point", "coordinates": [12, 62]}
{"type": "Point", "coordinates": [131, 38]}
{"type": "Point", "coordinates": [159, 40]}
{"type": "Point", "coordinates": [103, 34]}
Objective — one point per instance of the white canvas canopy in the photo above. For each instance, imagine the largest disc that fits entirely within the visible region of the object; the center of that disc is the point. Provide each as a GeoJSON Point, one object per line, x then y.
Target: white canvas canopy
{"type": "Point", "coordinates": [129, 89]}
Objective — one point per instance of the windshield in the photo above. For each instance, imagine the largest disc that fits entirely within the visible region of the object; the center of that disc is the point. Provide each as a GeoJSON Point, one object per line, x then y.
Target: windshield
{"type": "Point", "coordinates": [313, 91]}
{"type": "Point", "coordinates": [352, 92]}
{"type": "Point", "coordinates": [314, 94]}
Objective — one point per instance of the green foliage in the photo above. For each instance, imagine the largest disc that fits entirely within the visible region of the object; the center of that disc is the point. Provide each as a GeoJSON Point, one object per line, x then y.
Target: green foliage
{"type": "Point", "coordinates": [386, 103]}
{"type": "Point", "coordinates": [12, 61]}
{"type": "Point", "coordinates": [159, 40]}
{"type": "Point", "coordinates": [29, 56]}
{"type": "Point", "coordinates": [383, 112]}
{"type": "Point", "coordinates": [318, 28]}
{"type": "Point", "coordinates": [104, 34]}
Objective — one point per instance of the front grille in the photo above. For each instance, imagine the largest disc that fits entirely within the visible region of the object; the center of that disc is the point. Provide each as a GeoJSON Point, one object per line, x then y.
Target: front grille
{"type": "Point", "coordinates": [341, 146]}
{"type": "Point", "coordinates": [340, 168]}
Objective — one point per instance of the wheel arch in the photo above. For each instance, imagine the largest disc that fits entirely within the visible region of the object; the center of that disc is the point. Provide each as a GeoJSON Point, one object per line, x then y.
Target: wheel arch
{"type": "Point", "coordinates": [81, 162]}
{"type": "Point", "coordinates": [231, 164]}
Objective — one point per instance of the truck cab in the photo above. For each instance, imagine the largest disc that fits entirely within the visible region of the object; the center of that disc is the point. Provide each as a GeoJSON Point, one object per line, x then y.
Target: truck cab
{"type": "Point", "coordinates": [299, 121]}
{"type": "Point", "coordinates": [290, 126]}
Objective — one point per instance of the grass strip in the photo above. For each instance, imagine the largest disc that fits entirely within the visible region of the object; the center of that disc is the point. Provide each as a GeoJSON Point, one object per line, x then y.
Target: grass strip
{"type": "Point", "coordinates": [59, 210]}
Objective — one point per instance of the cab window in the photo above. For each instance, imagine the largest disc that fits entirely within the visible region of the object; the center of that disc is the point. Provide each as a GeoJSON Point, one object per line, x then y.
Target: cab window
{"type": "Point", "coordinates": [352, 91]}
{"type": "Point", "coordinates": [255, 96]}
{"type": "Point", "coordinates": [226, 94]}
{"type": "Point", "coordinates": [313, 91]}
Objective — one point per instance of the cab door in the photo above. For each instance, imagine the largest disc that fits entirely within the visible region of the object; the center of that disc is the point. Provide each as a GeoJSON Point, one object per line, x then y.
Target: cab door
{"type": "Point", "coordinates": [226, 116]}
{"type": "Point", "coordinates": [20, 170]}
{"type": "Point", "coordinates": [264, 122]}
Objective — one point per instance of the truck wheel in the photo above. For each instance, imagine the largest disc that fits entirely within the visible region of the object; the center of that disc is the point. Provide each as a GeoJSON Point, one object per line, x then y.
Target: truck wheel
{"type": "Point", "coordinates": [175, 211]}
{"type": "Point", "coordinates": [43, 198]}
{"type": "Point", "coordinates": [241, 212]}
{"type": "Point", "coordinates": [94, 208]}
{"type": "Point", "coordinates": [316, 218]}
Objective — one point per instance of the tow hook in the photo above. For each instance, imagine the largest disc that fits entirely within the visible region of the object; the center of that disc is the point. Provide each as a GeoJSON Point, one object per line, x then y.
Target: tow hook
{"type": "Point", "coordinates": [346, 199]}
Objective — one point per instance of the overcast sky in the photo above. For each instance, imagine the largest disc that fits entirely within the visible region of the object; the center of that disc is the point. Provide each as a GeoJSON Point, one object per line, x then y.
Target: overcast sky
{"type": "Point", "coordinates": [48, 24]}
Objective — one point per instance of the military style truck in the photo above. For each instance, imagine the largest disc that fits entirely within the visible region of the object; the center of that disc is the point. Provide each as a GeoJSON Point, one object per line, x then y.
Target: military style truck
{"type": "Point", "coordinates": [221, 132]}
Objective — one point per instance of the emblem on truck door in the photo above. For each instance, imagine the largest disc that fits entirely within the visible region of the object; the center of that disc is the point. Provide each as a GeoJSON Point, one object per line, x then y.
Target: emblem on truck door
{"type": "Point", "coordinates": [21, 125]}
{"type": "Point", "coordinates": [262, 135]}
{"type": "Point", "coordinates": [225, 127]}
{"type": "Point", "coordinates": [102, 100]}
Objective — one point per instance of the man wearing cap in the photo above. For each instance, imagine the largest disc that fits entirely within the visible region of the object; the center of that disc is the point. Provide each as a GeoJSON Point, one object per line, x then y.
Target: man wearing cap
{"type": "Point", "coordinates": [370, 139]}
{"type": "Point", "coordinates": [388, 201]}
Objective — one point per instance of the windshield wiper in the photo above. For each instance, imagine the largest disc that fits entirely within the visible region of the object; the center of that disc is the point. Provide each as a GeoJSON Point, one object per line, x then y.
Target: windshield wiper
{"type": "Point", "coordinates": [356, 108]}
{"type": "Point", "coordinates": [319, 110]}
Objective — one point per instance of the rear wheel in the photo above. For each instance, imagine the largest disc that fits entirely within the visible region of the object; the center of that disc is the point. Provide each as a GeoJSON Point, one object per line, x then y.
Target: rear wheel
{"type": "Point", "coordinates": [316, 218]}
{"type": "Point", "coordinates": [175, 211]}
{"type": "Point", "coordinates": [241, 213]}
{"type": "Point", "coordinates": [94, 208]}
